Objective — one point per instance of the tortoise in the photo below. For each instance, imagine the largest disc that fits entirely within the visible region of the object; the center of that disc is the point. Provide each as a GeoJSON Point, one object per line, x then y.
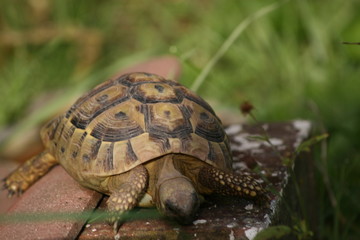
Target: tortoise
{"type": "Point", "coordinates": [144, 141]}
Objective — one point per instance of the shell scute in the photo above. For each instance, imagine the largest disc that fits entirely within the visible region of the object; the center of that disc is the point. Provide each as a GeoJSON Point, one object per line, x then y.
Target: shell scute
{"type": "Point", "coordinates": [118, 123]}
{"type": "Point", "coordinates": [156, 92]}
{"type": "Point", "coordinates": [88, 110]}
{"type": "Point", "coordinates": [167, 120]}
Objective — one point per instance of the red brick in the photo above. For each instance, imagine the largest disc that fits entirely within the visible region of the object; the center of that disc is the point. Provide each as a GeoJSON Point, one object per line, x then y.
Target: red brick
{"type": "Point", "coordinates": [56, 192]}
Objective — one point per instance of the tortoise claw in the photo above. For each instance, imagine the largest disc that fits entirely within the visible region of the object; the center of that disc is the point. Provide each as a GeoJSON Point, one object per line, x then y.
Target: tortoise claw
{"type": "Point", "coordinates": [10, 194]}
{"type": "Point", "coordinates": [115, 220]}
{"type": "Point", "coordinates": [13, 188]}
{"type": "Point", "coordinates": [20, 192]}
{"type": "Point", "coordinates": [116, 226]}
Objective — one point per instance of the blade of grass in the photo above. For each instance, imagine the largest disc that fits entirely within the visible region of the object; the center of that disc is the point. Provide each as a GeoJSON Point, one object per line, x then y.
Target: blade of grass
{"type": "Point", "coordinates": [230, 40]}
{"type": "Point", "coordinates": [92, 216]}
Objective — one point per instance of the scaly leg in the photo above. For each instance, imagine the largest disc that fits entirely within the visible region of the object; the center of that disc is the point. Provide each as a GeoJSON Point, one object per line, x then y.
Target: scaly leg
{"type": "Point", "coordinates": [24, 176]}
{"type": "Point", "coordinates": [230, 184]}
{"type": "Point", "coordinates": [126, 193]}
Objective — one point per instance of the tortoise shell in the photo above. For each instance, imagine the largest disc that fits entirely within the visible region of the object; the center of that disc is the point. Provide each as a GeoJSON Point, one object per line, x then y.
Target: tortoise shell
{"type": "Point", "coordinates": [133, 119]}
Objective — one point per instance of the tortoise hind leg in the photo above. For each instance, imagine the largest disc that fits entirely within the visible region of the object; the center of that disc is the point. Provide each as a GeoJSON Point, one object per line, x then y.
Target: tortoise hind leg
{"type": "Point", "coordinates": [230, 184]}
{"type": "Point", "coordinates": [27, 174]}
{"type": "Point", "coordinates": [126, 194]}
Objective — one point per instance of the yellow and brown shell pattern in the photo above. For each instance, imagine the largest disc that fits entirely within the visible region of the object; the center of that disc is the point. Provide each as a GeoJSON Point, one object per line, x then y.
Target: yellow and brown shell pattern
{"type": "Point", "coordinates": [133, 119]}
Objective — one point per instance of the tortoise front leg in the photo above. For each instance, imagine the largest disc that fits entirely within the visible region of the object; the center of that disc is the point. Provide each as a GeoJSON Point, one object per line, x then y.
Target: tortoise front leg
{"type": "Point", "coordinates": [230, 184]}
{"type": "Point", "coordinates": [27, 174]}
{"type": "Point", "coordinates": [126, 194]}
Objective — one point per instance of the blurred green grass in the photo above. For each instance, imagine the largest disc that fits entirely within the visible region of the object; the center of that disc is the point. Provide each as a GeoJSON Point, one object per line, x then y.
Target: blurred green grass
{"type": "Point", "coordinates": [289, 64]}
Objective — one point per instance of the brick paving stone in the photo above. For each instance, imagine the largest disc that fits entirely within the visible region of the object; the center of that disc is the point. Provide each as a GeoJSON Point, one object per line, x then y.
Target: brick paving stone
{"type": "Point", "coordinates": [56, 192]}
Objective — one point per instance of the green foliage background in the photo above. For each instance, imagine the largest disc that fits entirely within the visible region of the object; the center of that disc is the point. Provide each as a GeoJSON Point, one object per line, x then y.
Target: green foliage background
{"type": "Point", "coordinates": [289, 64]}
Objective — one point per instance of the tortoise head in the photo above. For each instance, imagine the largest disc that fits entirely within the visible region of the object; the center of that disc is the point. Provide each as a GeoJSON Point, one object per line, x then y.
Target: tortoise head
{"type": "Point", "coordinates": [178, 199]}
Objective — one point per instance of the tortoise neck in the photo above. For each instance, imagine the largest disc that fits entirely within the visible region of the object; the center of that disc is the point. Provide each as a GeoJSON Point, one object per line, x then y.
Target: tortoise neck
{"type": "Point", "coordinates": [168, 170]}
